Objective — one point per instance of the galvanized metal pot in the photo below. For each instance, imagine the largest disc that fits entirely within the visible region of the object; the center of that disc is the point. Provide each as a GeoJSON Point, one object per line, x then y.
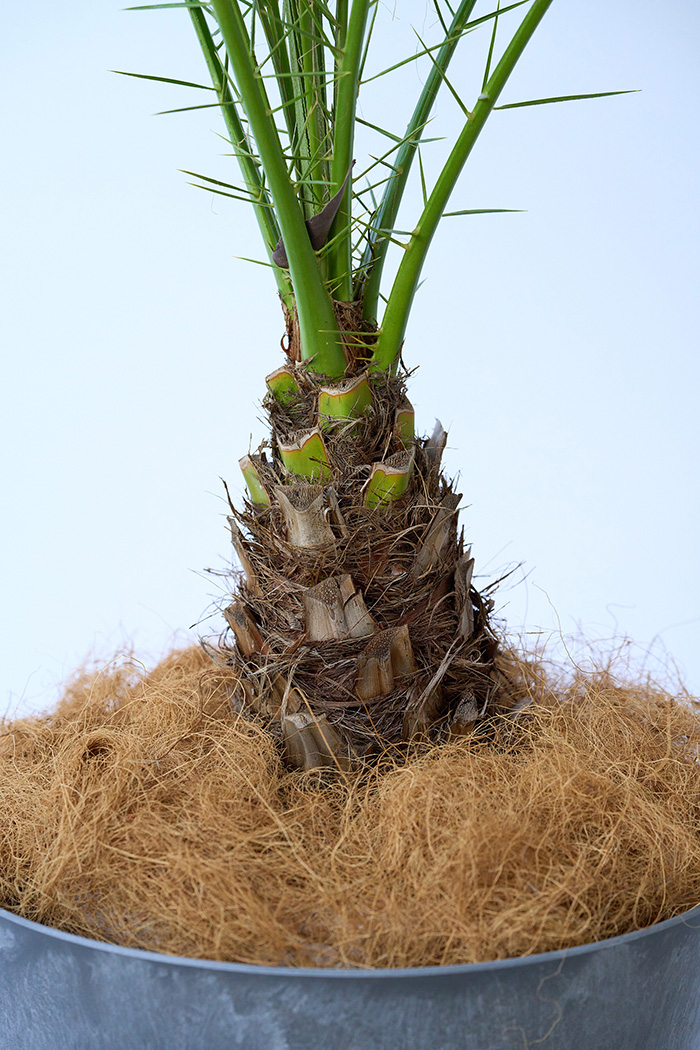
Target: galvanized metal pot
{"type": "Point", "coordinates": [640, 991]}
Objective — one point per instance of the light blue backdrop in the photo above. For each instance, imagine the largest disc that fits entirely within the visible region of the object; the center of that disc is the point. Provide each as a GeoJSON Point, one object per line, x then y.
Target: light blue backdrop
{"type": "Point", "coordinates": [572, 328]}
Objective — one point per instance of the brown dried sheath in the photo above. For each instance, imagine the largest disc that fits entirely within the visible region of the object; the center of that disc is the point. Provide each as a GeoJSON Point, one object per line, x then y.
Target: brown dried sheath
{"type": "Point", "coordinates": [318, 225]}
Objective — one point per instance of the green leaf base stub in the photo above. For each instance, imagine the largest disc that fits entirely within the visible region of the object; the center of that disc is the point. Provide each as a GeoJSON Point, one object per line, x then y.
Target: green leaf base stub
{"type": "Point", "coordinates": [389, 480]}
{"type": "Point", "coordinates": [349, 399]}
{"type": "Point", "coordinates": [257, 491]}
{"type": "Point", "coordinates": [307, 456]}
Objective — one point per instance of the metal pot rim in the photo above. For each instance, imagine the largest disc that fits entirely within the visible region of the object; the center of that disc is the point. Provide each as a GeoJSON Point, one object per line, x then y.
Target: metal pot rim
{"type": "Point", "coordinates": [689, 918]}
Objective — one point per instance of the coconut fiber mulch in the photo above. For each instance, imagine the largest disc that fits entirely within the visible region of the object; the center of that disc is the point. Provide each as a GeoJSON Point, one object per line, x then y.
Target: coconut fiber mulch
{"type": "Point", "coordinates": [146, 811]}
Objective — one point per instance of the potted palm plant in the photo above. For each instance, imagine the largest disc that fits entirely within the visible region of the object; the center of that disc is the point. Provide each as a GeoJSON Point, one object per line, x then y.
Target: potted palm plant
{"type": "Point", "coordinates": [354, 629]}
{"type": "Point", "coordinates": [349, 536]}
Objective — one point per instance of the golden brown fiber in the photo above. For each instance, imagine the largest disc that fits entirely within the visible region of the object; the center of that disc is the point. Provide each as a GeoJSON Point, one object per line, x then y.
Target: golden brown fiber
{"type": "Point", "coordinates": [146, 812]}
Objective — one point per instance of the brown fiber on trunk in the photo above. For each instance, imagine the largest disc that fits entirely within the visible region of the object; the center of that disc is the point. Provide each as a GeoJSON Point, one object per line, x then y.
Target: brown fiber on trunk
{"type": "Point", "coordinates": [368, 613]}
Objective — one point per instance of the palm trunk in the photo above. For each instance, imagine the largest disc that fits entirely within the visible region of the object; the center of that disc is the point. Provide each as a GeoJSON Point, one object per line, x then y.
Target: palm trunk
{"type": "Point", "coordinates": [354, 625]}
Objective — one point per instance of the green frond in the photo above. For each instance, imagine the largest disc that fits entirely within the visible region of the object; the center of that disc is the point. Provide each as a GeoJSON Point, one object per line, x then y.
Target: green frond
{"type": "Point", "coordinates": [407, 278]}
{"type": "Point", "coordinates": [165, 7]}
{"type": "Point", "coordinates": [492, 45]}
{"type": "Point", "coordinates": [191, 109]}
{"type": "Point", "coordinates": [164, 80]}
{"type": "Point", "coordinates": [287, 75]}
{"type": "Point", "coordinates": [452, 38]}
{"type": "Point", "coordinates": [444, 78]}
{"type": "Point", "coordinates": [566, 98]}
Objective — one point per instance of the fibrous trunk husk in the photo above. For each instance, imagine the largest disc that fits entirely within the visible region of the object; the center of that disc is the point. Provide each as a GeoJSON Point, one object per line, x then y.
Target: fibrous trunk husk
{"type": "Point", "coordinates": [355, 627]}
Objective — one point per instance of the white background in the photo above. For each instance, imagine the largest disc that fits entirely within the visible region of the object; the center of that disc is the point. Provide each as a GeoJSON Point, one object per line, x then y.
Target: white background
{"type": "Point", "coordinates": [559, 346]}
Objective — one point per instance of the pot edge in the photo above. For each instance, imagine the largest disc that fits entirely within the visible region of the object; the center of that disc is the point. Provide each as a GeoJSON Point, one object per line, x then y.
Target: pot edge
{"type": "Point", "coordinates": [353, 974]}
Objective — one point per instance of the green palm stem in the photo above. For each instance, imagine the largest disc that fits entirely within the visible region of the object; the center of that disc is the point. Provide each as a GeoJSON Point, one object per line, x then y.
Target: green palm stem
{"type": "Point", "coordinates": [304, 135]}
{"type": "Point", "coordinates": [321, 343]}
{"type": "Point", "coordinates": [372, 265]}
{"type": "Point", "coordinates": [317, 127]}
{"type": "Point", "coordinates": [251, 175]}
{"type": "Point", "coordinates": [273, 28]}
{"type": "Point", "coordinates": [393, 328]}
{"type": "Point", "coordinates": [347, 87]}
{"type": "Point", "coordinates": [341, 31]}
